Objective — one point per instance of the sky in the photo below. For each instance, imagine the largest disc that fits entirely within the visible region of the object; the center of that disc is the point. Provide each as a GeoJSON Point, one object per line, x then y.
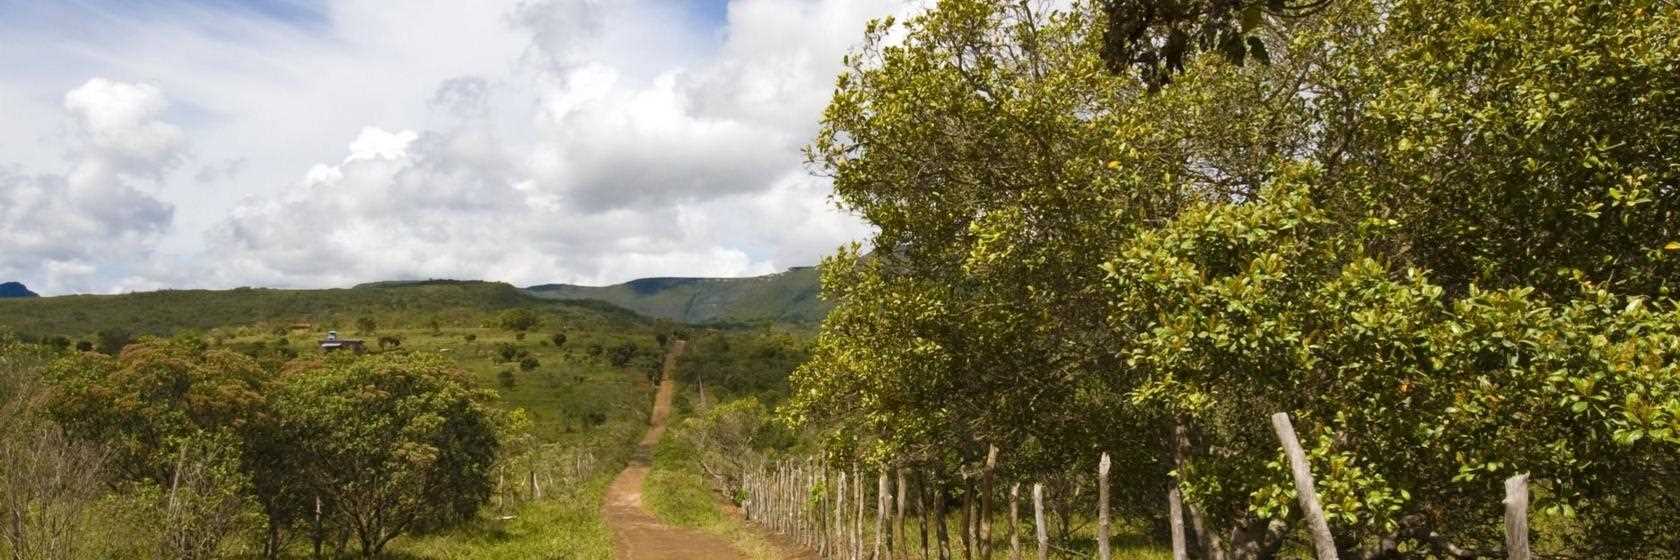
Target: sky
{"type": "Point", "coordinates": [150, 144]}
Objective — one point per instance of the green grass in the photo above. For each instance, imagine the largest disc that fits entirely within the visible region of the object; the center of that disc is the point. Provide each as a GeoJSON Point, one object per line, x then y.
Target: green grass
{"type": "Point", "coordinates": [678, 494]}
{"type": "Point", "coordinates": [564, 528]}
{"type": "Point", "coordinates": [792, 297]}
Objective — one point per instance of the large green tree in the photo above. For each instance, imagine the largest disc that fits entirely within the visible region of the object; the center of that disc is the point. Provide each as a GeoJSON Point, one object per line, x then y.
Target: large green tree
{"type": "Point", "coordinates": [390, 444]}
{"type": "Point", "coordinates": [1471, 202]}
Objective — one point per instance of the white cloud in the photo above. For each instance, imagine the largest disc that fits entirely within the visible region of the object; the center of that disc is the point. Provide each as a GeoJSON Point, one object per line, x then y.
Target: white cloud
{"type": "Point", "coordinates": [65, 231]}
{"type": "Point", "coordinates": [531, 142]}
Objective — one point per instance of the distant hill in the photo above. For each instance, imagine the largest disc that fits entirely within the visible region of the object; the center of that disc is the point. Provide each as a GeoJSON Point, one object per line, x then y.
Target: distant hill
{"type": "Point", "coordinates": [16, 290]}
{"type": "Point", "coordinates": [391, 304]}
{"type": "Point", "coordinates": [786, 297]}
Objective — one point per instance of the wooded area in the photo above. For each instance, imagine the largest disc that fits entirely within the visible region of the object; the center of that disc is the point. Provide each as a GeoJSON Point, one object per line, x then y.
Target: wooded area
{"type": "Point", "coordinates": [1442, 237]}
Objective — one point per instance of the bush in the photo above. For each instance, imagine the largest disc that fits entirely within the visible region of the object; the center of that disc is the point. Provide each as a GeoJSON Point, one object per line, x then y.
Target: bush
{"type": "Point", "coordinates": [529, 363]}
{"type": "Point", "coordinates": [519, 320]}
{"type": "Point", "coordinates": [506, 378]}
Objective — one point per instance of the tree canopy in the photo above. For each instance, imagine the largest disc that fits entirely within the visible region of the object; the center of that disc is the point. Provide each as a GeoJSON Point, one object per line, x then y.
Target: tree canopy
{"type": "Point", "coordinates": [1443, 236]}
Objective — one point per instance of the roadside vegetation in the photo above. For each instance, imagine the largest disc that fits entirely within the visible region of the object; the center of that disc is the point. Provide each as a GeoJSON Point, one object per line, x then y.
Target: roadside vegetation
{"type": "Point", "coordinates": [470, 429]}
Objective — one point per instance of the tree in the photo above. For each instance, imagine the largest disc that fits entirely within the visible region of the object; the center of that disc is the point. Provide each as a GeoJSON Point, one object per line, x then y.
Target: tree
{"type": "Point", "coordinates": [508, 351]}
{"type": "Point", "coordinates": [518, 320]}
{"type": "Point", "coordinates": [177, 415]}
{"type": "Point", "coordinates": [1409, 204]}
{"type": "Point", "coordinates": [529, 363]}
{"type": "Point", "coordinates": [559, 339]}
{"type": "Point", "coordinates": [623, 353]}
{"type": "Point", "coordinates": [1158, 37]}
{"type": "Point", "coordinates": [50, 481]}
{"type": "Point", "coordinates": [392, 443]}
{"type": "Point", "coordinates": [155, 392]}
{"type": "Point", "coordinates": [366, 325]}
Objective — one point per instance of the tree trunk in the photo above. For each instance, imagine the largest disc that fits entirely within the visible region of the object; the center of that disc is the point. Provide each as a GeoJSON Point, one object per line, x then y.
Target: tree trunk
{"type": "Point", "coordinates": [1298, 468]}
{"type": "Point", "coordinates": [1175, 518]}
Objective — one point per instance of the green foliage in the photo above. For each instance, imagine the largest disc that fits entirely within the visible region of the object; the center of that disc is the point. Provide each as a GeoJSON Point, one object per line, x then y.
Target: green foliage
{"type": "Point", "coordinates": [1433, 232]}
{"type": "Point", "coordinates": [743, 363]}
{"type": "Point", "coordinates": [153, 394]}
{"type": "Point", "coordinates": [529, 363]}
{"type": "Point", "coordinates": [509, 352]}
{"type": "Point", "coordinates": [507, 378]}
{"type": "Point", "coordinates": [163, 313]}
{"type": "Point", "coordinates": [366, 325]}
{"type": "Point", "coordinates": [391, 443]}
{"type": "Point", "coordinates": [559, 339]}
{"type": "Point", "coordinates": [518, 320]}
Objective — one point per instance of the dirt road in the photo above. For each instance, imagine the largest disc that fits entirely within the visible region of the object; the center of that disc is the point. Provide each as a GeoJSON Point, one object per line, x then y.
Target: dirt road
{"type": "Point", "coordinates": [636, 534]}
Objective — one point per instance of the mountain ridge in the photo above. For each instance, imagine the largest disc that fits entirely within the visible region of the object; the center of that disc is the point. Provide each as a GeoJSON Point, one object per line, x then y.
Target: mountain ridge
{"type": "Point", "coordinates": [793, 296]}
{"type": "Point", "coordinates": [16, 290]}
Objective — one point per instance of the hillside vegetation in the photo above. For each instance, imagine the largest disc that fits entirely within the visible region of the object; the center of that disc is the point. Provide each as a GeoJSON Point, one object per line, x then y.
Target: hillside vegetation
{"type": "Point", "coordinates": [791, 297]}
{"type": "Point", "coordinates": [498, 418]}
{"type": "Point", "coordinates": [167, 312]}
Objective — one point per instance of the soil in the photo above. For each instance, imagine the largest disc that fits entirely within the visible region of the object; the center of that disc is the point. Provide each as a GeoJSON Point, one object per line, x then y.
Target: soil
{"type": "Point", "coordinates": [637, 535]}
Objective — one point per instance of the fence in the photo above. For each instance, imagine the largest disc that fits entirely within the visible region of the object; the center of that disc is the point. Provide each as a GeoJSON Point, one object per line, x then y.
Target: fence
{"type": "Point", "coordinates": [823, 509]}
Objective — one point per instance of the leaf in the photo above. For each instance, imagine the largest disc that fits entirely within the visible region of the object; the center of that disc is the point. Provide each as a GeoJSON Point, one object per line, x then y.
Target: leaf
{"type": "Point", "coordinates": [1672, 247]}
{"type": "Point", "coordinates": [1250, 17]}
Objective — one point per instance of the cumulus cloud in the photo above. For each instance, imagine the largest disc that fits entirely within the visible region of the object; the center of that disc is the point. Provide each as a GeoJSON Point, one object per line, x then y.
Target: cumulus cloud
{"type": "Point", "coordinates": [60, 230]}
{"type": "Point", "coordinates": [527, 141]}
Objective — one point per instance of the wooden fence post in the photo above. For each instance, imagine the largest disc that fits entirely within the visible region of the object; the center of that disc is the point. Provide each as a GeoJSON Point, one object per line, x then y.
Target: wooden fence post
{"type": "Point", "coordinates": [901, 546]}
{"type": "Point", "coordinates": [941, 529]}
{"type": "Point", "coordinates": [1038, 521]}
{"type": "Point", "coordinates": [986, 479]}
{"type": "Point", "coordinates": [839, 513]}
{"type": "Point", "coordinates": [1298, 468]}
{"type": "Point", "coordinates": [1103, 552]}
{"type": "Point", "coordinates": [1516, 517]}
{"type": "Point", "coordinates": [857, 519]}
{"type": "Point", "coordinates": [922, 511]}
{"type": "Point", "coordinates": [1175, 520]}
{"type": "Point", "coordinates": [880, 513]}
{"type": "Point", "coordinates": [1015, 521]}
{"type": "Point", "coordinates": [968, 517]}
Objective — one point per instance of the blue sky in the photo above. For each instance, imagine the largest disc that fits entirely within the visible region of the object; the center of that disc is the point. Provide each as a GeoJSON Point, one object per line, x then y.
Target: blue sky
{"type": "Point", "coordinates": [217, 143]}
